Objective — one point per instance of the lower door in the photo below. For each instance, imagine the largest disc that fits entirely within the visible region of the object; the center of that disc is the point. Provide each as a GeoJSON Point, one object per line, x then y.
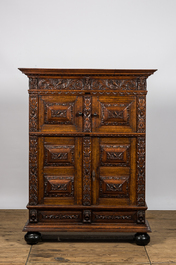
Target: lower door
{"type": "Point", "coordinates": [114, 171]}
{"type": "Point", "coordinates": [60, 170]}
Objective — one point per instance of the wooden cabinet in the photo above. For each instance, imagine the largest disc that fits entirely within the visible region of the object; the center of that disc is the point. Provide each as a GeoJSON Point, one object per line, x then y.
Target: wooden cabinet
{"type": "Point", "coordinates": [87, 151]}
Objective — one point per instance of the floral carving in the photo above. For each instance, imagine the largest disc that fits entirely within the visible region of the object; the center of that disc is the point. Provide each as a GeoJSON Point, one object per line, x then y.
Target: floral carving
{"type": "Point", "coordinates": [141, 113]}
{"type": "Point", "coordinates": [87, 114]}
{"type": "Point", "coordinates": [140, 217]}
{"type": "Point", "coordinates": [141, 171]}
{"type": "Point", "coordinates": [87, 171]}
{"type": "Point", "coordinates": [33, 170]}
{"type": "Point", "coordinates": [33, 113]}
{"type": "Point", "coordinates": [33, 82]}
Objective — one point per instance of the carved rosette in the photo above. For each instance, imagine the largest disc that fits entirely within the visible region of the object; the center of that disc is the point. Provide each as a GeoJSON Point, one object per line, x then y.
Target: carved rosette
{"type": "Point", "coordinates": [33, 216]}
{"type": "Point", "coordinates": [33, 113]}
{"type": "Point", "coordinates": [87, 171]}
{"type": "Point", "coordinates": [33, 83]}
{"type": "Point", "coordinates": [142, 83]}
{"type": "Point", "coordinates": [87, 216]}
{"type": "Point", "coordinates": [141, 112]}
{"type": "Point", "coordinates": [33, 170]}
{"type": "Point", "coordinates": [140, 217]}
{"type": "Point", "coordinates": [141, 171]}
{"type": "Point", "coordinates": [87, 113]}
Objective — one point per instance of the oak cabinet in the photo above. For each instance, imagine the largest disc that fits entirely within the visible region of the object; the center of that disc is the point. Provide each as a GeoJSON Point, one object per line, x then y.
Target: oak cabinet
{"type": "Point", "coordinates": [87, 151]}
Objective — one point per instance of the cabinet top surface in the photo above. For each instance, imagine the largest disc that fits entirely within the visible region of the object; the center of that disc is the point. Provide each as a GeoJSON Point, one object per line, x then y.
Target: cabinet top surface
{"type": "Point", "coordinates": [31, 72]}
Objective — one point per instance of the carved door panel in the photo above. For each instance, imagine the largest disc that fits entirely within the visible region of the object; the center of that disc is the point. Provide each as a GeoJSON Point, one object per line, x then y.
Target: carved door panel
{"type": "Point", "coordinates": [60, 113]}
{"type": "Point", "coordinates": [60, 170]}
{"type": "Point", "coordinates": [113, 114]}
{"type": "Point", "coordinates": [114, 171]}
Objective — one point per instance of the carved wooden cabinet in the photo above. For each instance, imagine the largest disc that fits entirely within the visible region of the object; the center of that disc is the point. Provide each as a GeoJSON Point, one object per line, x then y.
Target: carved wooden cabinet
{"type": "Point", "coordinates": [87, 151]}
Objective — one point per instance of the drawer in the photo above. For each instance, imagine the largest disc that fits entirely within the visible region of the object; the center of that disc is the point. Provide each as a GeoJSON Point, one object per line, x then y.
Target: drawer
{"type": "Point", "coordinates": [113, 217]}
{"type": "Point", "coordinates": [114, 114]}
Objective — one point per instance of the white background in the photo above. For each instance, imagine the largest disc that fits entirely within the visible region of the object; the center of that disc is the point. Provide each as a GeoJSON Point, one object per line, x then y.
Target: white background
{"type": "Point", "coordinates": [103, 34]}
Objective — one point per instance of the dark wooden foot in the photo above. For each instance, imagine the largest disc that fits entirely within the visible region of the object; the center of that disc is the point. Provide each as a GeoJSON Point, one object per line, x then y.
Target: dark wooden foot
{"type": "Point", "coordinates": [142, 239]}
{"type": "Point", "coordinates": [32, 238]}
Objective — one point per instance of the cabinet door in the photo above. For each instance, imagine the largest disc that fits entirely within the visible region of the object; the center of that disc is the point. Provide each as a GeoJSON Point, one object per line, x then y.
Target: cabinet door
{"type": "Point", "coordinates": [60, 170]}
{"type": "Point", "coordinates": [60, 113]}
{"type": "Point", "coordinates": [114, 170]}
{"type": "Point", "coordinates": [113, 114]}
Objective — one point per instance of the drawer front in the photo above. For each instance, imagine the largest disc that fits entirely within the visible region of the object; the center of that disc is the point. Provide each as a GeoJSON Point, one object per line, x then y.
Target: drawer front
{"type": "Point", "coordinates": [113, 114]}
{"type": "Point", "coordinates": [113, 217]}
{"type": "Point", "coordinates": [60, 216]}
{"type": "Point", "coordinates": [60, 113]}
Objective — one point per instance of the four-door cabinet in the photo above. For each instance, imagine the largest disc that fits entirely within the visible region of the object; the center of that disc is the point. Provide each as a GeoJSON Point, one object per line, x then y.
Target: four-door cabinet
{"type": "Point", "coordinates": [87, 152]}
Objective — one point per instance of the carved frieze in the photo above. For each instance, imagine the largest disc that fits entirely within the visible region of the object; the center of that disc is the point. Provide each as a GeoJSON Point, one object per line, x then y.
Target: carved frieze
{"type": "Point", "coordinates": [141, 171]}
{"type": "Point", "coordinates": [87, 171]}
{"type": "Point", "coordinates": [33, 170]}
{"type": "Point", "coordinates": [33, 82]}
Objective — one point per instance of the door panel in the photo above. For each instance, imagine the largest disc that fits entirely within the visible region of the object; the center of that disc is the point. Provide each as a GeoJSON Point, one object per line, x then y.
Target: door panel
{"type": "Point", "coordinates": [113, 114]}
{"type": "Point", "coordinates": [60, 113]}
{"type": "Point", "coordinates": [61, 177]}
{"type": "Point", "coordinates": [114, 166]}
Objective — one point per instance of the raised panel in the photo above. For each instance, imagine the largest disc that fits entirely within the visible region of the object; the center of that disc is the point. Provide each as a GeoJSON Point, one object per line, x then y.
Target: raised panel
{"type": "Point", "coordinates": [58, 186]}
{"type": "Point", "coordinates": [59, 155]}
{"type": "Point", "coordinates": [114, 114]}
{"type": "Point", "coordinates": [59, 113]}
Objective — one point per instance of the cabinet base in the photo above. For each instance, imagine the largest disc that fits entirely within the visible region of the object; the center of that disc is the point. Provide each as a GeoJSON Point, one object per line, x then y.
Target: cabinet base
{"type": "Point", "coordinates": [54, 227]}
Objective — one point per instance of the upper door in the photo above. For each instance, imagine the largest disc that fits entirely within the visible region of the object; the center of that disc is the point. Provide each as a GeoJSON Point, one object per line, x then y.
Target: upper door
{"type": "Point", "coordinates": [113, 114]}
{"type": "Point", "coordinates": [60, 113]}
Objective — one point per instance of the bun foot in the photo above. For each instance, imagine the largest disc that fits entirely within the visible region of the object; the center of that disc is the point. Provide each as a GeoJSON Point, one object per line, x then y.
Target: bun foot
{"type": "Point", "coordinates": [142, 239]}
{"type": "Point", "coordinates": [32, 238]}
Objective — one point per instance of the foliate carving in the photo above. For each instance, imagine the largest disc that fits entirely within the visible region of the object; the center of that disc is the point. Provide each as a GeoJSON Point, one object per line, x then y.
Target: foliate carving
{"type": "Point", "coordinates": [59, 155]}
{"type": "Point", "coordinates": [87, 171]}
{"type": "Point", "coordinates": [33, 82]}
{"type": "Point", "coordinates": [62, 84]}
{"type": "Point", "coordinates": [58, 186]}
{"type": "Point", "coordinates": [114, 186]}
{"type": "Point", "coordinates": [58, 113]}
{"type": "Point", "coordinates": [141, 114]}
{"type": "Point", "coordinates": [115, 114]}
{"type": "Point", "coordinates": [33, 216]}
{"type": "Point", "coordinates": [33, 113]}
{"type": "Point", "coordinates": [86, 216]}
{"type": "Point", "coordinates": [141, 171]}
{"type": "Point", "coordinates": [88, 83]}
{"type": "Point", "coordinates": [87, 114]}
{"type": "Point", "coordinates": [33, 170]}
{"type": "Point", "coordinates": [119, 84]}
{"type": "Point", "coordinates": [112, 217]}
{"type": "Point", "coordinates": [140, 217]}
{"type": "Point", "coordinates": [142, 83]}
{"type": "Point", "coordinates": [115, 155]}
{"type": "Point", "coordinates": [60, 216]}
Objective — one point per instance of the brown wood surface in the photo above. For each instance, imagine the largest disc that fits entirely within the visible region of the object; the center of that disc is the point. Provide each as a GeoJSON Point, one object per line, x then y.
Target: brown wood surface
{"type": "Point", "coordinates": [87, 150]}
